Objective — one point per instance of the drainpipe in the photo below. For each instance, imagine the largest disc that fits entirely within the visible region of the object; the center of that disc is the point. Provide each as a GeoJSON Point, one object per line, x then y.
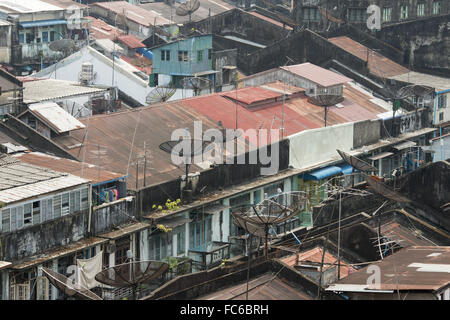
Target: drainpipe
{"type": "Point", "coordinates": [90, 207]}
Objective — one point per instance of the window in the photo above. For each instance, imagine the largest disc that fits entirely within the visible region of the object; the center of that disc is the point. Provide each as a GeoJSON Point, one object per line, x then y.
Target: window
{"type": "Point", "coordinates": [52, 35]}
{"type": "Point", "coordinates": [403, 12]}
{"type": "Point", "coordinates": [27, 221]}
{"type": "Point", "coordinates": [200, 232]}
{"type": "Point", "coordinates": [72, 202]}
{"type": "Point", "coordinates": [387, 14]}
{"type": "Point", "coordinates": [84, 198]}
{"type": "Point", "coordinates": [77, 201]}
{"type": "Point", "coordinates": [420, 9]}
{"type": "Point", "coordinates": [21, 38]}
{"type": "Point", "coordinates": [199, 55]}
{"type": "Point", "coordinates": [357, 15]}
{"type": "Point", "coordinates": [442, 101]}
{"type": "Point", "coordinates": [180, 234]}
{"type": "Point", "coordinates": [30, 37]}
{"type": "Point", "coordinates": [65, 204]}
{"type": "Point", "coordinates": [20, 217]}
{"type": "Point", "coordinates": [45, 36]}
{"type": "Point", "coordinates": [436, 7]}
{"type": "Point", "coordinates": [310, 14]}
{"type": "Point", "coordinates": [441, 116]}
{"type": "Point", "coordinates": [6, 220]}
{"type": "Point", "coordinates": [36, 212]}
{"type": "Point", "coordinates": [165, 55]}
{"type": "Point", "coordinates": [209, 54]}
{"type": "Point", "coordinates": [57, 206]}
{"type": "Point", "coordinates": [182, 55]}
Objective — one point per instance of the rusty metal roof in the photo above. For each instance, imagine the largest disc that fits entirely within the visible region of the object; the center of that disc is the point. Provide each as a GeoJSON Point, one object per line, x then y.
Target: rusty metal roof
{"type": "Point", "coordinates": [131, 41]}
{"type": "Point", "coordinates": [249, 95]}
{"type": "Point", "coordinates": [412, 268]}
{"type": "Point", "coordinates": [378, 64]}
{"type": "Point", "coordinates": [86, 170]}
{"type": "Point", "coordinates": [315, 256]}
{"type": "Point", "coordinates": [264, 287]}
{"type": "Point", "coordinates": [275, 22]}
{"type": "Point", "coordinates": [316, 74]}
{"type": "Point", "coordinates": [99, 29]}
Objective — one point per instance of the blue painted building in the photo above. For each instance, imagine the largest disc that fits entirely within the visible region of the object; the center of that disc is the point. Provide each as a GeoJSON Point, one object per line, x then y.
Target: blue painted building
{"type": "Point", "coordinates": [183, 58]}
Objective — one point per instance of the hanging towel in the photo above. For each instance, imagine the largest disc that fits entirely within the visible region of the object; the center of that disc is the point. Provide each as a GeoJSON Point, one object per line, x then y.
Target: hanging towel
{"type": "Point", "coordinates": [116, 192]}
{"type": "Point", "coordinates": [111, 195]}
{"type": "Point", "coordinates": [106, 196]}
{"type": "Point", "coordinates": [87, 269]}
{"type": "Point", "coordinates": [102, 195]}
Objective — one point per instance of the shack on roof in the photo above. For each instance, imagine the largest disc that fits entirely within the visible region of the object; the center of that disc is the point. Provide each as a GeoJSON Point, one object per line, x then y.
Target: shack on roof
{"type": "Point", "coordinates": [49, 117]}
{"type": "Point", "coordinates": [411, 273]}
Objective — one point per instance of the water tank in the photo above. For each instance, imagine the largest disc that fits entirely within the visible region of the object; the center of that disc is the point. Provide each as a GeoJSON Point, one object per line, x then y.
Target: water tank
{"type": "Point", "coordinates": [87, 72]}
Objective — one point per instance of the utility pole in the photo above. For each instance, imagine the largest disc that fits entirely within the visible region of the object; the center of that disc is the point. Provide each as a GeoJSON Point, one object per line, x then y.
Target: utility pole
{"type": "Point", "coordinates": [145, 163]}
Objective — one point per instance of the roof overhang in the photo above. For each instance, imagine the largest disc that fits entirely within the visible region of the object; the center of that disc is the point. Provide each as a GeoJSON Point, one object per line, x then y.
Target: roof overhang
{"type": "Point", "coordinates": [404, 145]}
{"type": "Point", "coordinates": [322, 173]}
{"type": "Point", "coordinates": [42, 23]}
{"type": "Point", "coordinates": [4, 264]}
{"type": "Point", "coordinates": [380, 156]}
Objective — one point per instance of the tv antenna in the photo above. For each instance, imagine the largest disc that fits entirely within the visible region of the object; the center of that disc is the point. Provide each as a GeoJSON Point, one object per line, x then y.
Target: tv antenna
{"type": "Point", "coordinates": [187, 8]}
{"type": "Point", "coordinates": [160, 94]}
{"type": "Point", "coordinates": [325, 100]}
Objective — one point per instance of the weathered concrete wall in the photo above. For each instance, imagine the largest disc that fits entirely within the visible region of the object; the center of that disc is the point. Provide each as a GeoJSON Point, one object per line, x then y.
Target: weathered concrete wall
{"type": "Point", "coordinates": [33, 240]}
{"type": "Point", "coordinates": [366, 133]}
{"type": "Point", "coordinates": [221, 59]}
{"type": "Point", "coordinates": [106, 216]}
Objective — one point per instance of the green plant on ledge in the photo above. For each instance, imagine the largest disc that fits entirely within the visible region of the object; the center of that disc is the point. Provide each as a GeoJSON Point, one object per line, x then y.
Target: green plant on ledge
{"type": "Point", "coordinates": [169, 206]}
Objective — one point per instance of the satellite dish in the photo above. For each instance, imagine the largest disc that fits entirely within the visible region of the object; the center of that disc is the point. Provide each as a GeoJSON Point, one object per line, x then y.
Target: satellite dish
{"type": "Point", "coordinates": [65, 285]}
{"type": "Point", "coordinates": [325, 100]}
{"type": "Point", "coordinates": [160, 94]}
{"type": "Point", "coordinates": [63, 45]}
{"type": "Point", "coordinates": [356, 162]}
{"type": "Point", "coordinates": [131, 274]}
{"type": "Point", "coordinates": [196, 83]}
{"type": "Point", "coordinates": [187, 8]}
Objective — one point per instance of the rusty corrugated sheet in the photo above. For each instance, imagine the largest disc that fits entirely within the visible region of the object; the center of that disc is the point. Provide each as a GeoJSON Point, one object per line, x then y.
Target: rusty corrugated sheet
{"type": "Point", "coordinates": [86, 170]}
{"type": "Point", "coordinates": [316, 74]}
{"type": "Point", "coordinates": [378, 64]}
{"type": "Point", "coordinates": [403, 270]}
{"type": "Point", "coordinates": [249, 95]}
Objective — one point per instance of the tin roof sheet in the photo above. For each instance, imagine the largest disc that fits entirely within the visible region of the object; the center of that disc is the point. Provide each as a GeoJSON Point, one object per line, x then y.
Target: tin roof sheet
{"type": "Point", "coordinates": [131, 41]}
{"type": "Point", "coordinates": [378, 64]}
{"type": "Point", "coordinates": [412, 268]}
{"type": "Point", "coordinates": [55, 117]}
{"type": "Point", "coordinates": [99, 29]}
{"type": "Point", "coordinates": [275, 22]}
{"type": "Point", "coordinates": [80, 169]}
{"type": "Point", "coordinates": [316, 74]}
{"type": "Point", "coordinates": [249, 95]}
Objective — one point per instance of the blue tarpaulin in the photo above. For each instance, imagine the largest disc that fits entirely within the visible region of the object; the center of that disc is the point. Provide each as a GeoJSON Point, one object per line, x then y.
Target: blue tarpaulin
{"type": "Point", "coordinates": [42, 23]}
{"type": "Point", "coordinates": [322, 173]}
{"type": "Point", "coordinates": [346, 169]}
{"type": "Point", "coordinates": [146, 53]}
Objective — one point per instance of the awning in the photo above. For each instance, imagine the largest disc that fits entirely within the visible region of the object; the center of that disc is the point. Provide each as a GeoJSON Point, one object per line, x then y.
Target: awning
{"type": "Point", "coordinates": [229, 67]}
{"type": "Point", "coordinates": [125, 231]}
{"type": "Point", "coordinates": [322, 173]}
{"type": "Point", "coordinates": [380, 156]}
{"type": "Point", "coordinates": [173, 223]}
{"type": "Point", "coordinates": [204, 73]}
{"type": "Point", "coordinates": [347, 169]}
{"type": "Point", "coordinates": [405, 145]}
{"type": "Point", "coordinates": [4, 264]}
{"type": "Point", "coordinates": [214, 209]}
{"type": "Point", "coordinates": [42, 23]}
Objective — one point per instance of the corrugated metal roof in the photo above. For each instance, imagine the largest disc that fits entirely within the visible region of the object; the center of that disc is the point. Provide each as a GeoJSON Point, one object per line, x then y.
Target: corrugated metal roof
{"type": "Point", "coordinates": [31, 190]}
{"type": "Point", "coordinates": [55, 117]}
{"type": "Point", "coordinates": [49, 89]}
{"type": "Point", "coordinates": [249, 95]}
{"type": "Point", "coordinates": [378, 64]}
{"type": "Point", "coordinates": [134, 13]}
{"type": "Point", "coordinates": [269, 20]}
{"type": "Point", "coordinates": [264, 287]}
{"type": "Point", "coordinates": [86, 170]}
{"type": "Point", "coordinates": [99, 29]}
{"type": "Point", "coordinates": [28, 6]}
{"type": "Point", "coordinates": [412, 268]}
{"type": "Point", "coordinates": [316, 74]}
{"type": "Point", "coordinates": [131, 41]}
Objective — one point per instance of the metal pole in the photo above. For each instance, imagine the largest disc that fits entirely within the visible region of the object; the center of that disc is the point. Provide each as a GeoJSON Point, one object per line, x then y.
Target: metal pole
{"type": "Point", "coordinates": [145, 163]}
{"type": "Point", "coordinates": [339, 236]}
{"type": "Point", "coordinates": [249, 245]}
{"type": "Point", "coordinates": [137, 173]}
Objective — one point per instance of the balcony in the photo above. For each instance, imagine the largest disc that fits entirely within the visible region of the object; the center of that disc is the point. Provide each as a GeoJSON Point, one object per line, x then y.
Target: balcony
{"type": "Point", "coordinates": [210, 255]}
